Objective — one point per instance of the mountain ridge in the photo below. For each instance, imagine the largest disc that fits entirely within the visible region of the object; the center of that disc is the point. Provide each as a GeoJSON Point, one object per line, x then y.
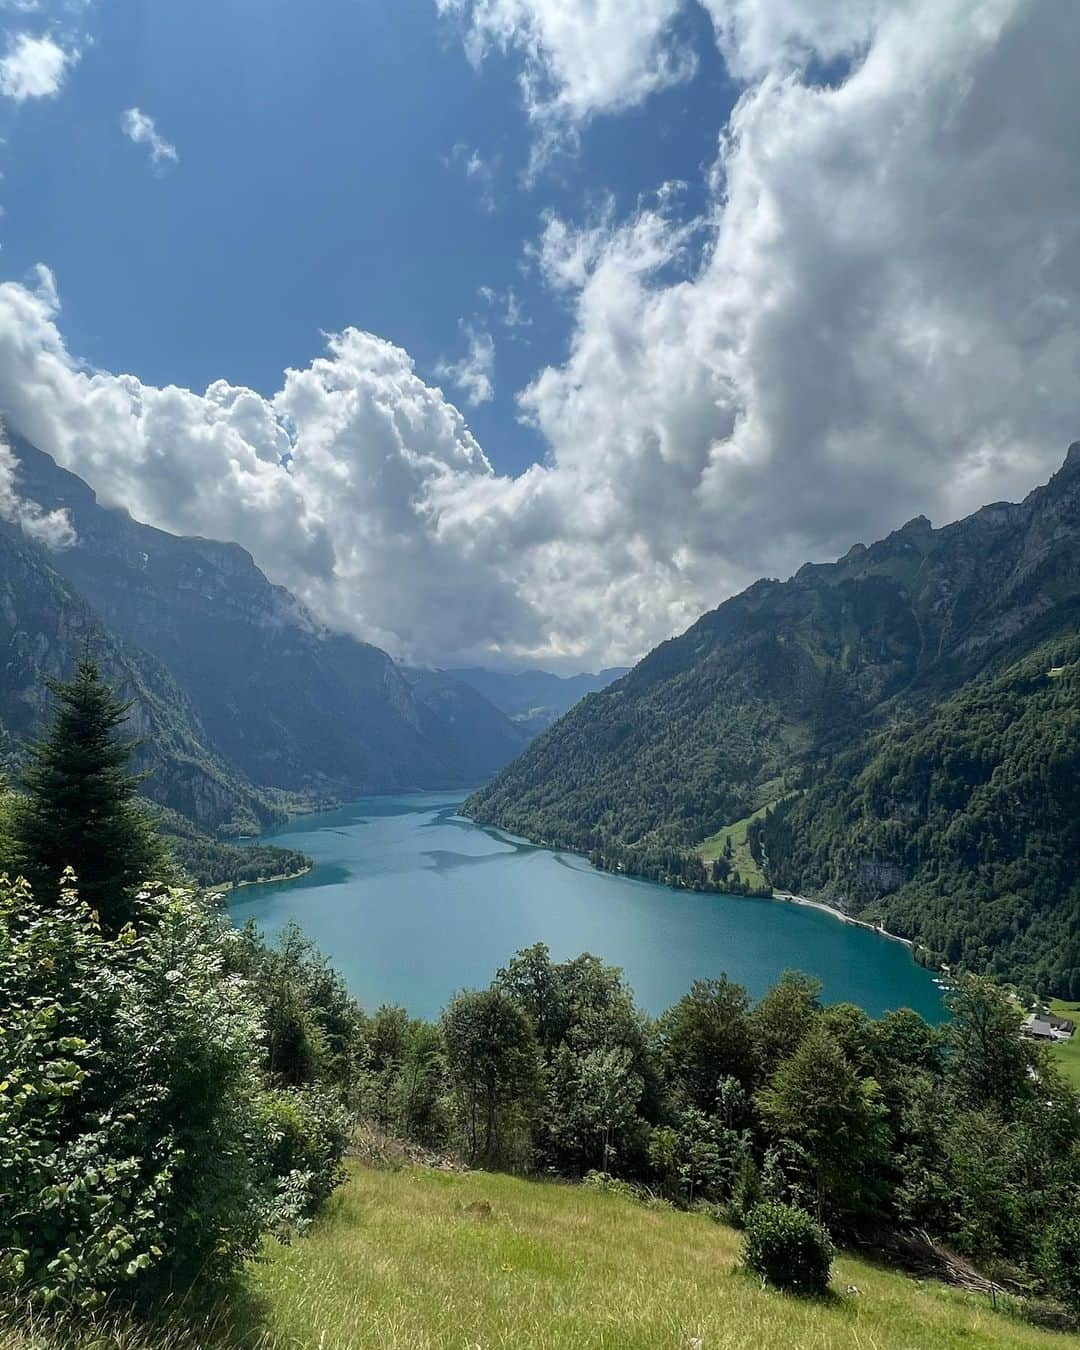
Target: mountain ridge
{"type": "Point", "coordinates": [282, 706]}
{"type": "Point", "coordinates": [758, 698]}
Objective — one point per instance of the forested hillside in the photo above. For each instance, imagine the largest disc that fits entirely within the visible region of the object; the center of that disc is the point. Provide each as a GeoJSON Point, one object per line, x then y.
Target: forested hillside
{"type": "Point", "coordinates": [961, 829]}
{"type": "Point", "coordinates": [761, 696]}
{"type": "Point", "coordinates": [45, 626]}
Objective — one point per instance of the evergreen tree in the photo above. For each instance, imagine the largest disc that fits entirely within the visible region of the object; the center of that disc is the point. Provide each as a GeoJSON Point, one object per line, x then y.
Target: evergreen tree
{"type": "Point", "coordinates": [81, 808]}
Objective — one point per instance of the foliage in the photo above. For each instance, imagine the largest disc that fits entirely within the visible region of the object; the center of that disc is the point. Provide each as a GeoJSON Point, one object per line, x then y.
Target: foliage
{"type": "Point", "coordinates": [492, 1063]}
{"type": "Point", "coordinates": [870, 1124]}
{"type": "Point", "coordinates": [130, 1105]}
{"type": "Point", "coordinates": [817, 1102]}
{"type": "Point", "coordinates": [705, 1037]}
{"type": "Point", "coordinates": [1059, 1259]}
{"type": "Point", "coordinates": [81, 808]}
{"type": "Point", "coordinates": [960, 829]}
{"type": "Point", "coordinates": [788, 1249]}
{"type": "Point", "coordinates": [143, 1146]}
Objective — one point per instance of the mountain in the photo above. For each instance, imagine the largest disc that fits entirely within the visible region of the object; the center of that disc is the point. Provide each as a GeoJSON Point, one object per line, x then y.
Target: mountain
{"type": "Point", "coordinates": [760, 700]}
{"type": "Point", "coordinates": [534, 698]}
{"type": "Point", "coordinates": [961, 828]}
{"type": "Point", "coordinates": [283, 704]}
{"type": "Point", "coordinates": [44, 627]}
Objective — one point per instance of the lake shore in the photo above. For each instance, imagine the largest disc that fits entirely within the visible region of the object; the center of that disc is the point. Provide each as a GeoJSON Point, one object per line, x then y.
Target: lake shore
{"type": "Point", "coordinates": [793, 899]}
{"type": "Point", "coordinates": [226, 887]}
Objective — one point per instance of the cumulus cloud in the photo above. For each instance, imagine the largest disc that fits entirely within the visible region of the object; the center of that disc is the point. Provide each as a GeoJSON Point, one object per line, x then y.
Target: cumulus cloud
{"type": "Point", "coordinates": [34, 67]}
{"type": "Point", "coordinates": [579, 59]}
{"type": "Point", "coordinates": [51, 528]}
{"type": "Point", "coordinates": [876, 315]}
{"type": "Point", "coordinates": [141, 129]}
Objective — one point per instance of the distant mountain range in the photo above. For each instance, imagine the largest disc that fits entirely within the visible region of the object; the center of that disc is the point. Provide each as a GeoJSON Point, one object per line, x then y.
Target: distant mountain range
{"type": "Point", "coordinates": [890, 723]}
{"type": "Point", "coordinates": [533, 698]}
{"type": "Point", "coordinates": [247, 703]}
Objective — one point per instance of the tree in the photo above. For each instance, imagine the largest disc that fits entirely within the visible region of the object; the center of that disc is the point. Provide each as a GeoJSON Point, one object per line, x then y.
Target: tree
{"type": "Point", "coordinates": [782, 1018]}
{"type": "Point", "coordinates": [492, 1062]}
{"type": "Point", "coordinates": [609, 1094]}
{"type": "Point", "coordinates": [818, 1102]}
{"type": "Point", "coordinates": [988, 1058]}
{"type": "Point", "coordinates": [706, 1037]}
{"type": "Point", "coordinates": [81, 808]}
{"type": "Point", "coordinates": [540, 989]}
{"type": "Point", "coordinates": [140, 1149]}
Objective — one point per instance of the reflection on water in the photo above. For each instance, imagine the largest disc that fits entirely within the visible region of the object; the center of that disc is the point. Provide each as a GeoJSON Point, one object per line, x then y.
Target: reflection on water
{"type": "Point", "coordinates": [412, 902]}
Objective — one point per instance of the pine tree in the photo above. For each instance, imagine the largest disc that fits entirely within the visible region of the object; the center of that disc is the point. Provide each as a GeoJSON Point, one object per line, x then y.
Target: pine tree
{"type": "Point", "coordinates": [81, 808]}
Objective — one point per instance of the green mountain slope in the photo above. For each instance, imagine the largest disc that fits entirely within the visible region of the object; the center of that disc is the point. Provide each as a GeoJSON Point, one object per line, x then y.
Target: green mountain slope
{"type": "Point", "coordinates": [761, 695]}
{"type": "Point", "coordinates": [960, 829]}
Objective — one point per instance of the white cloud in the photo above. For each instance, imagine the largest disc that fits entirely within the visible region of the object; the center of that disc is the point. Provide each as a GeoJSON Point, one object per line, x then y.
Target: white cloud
{"type": "Point", "coordinates": [141, 129]}
{"type": "Point", "coordinates": [34, 67]}
{"type": "Point", "coordinates": [579, 58]}
{"type": "Point", "coordinates": [506, 307]}
{"type": "Point", "coordinates": [474, 373]}
{"type": "Point", "coordinates": [883, 320]}
{"type": "Point", "coordinates": [478, 171]}
{"type": "Point", "coordinates": [51, 528]}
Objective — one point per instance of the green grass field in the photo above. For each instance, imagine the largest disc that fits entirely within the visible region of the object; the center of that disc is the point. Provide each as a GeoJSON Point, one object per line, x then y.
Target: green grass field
{"type": "Point", "coordinates": [418, 1259]}
{"type": "Point", "coordinates": [425, 1260]}
{"type": "Point", "coordinates": [742, 859]}
{"type": "Point", "coordinates": [1067, 1053]}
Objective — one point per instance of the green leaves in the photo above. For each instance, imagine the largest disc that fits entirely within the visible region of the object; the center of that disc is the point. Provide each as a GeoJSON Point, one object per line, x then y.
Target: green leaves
{"type": "Point", "coordinates": [140, 1143]}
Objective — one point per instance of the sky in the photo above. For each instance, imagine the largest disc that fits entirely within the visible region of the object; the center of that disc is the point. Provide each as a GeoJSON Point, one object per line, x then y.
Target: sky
{"type": "Point", "coordinates": [521, 332]}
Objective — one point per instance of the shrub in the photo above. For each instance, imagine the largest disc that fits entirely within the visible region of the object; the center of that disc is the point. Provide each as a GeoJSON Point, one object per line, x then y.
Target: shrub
{"type": "Point", "coordinates": [306, 1131]}
{"type": "Point", "coordinates": [788, 1249]}
{"type": "Point", "coordinates": [1059, 1259]}
{"type": "Point", "coordinates": [138, 1147]}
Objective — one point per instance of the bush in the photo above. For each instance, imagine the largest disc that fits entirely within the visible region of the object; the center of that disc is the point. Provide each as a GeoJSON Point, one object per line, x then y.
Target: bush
{"type": "Point", "coordinates": [306, 1131]}
{"type": "Point", "coordinates": [1059, 1259]}
{"type": "Point", "coordinates": [139, 1148]}
{"type": "Point", "coordinates": [788, 1249]}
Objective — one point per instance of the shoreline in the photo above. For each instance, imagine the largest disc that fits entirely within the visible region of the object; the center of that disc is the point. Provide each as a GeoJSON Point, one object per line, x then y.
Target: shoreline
{"type": "Point", "coordinates": [224, 887]}
{"type": "Point", "coordinates": [790, 898]}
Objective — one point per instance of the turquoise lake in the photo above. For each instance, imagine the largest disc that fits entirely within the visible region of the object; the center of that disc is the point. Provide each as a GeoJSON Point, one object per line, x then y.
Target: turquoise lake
{"type": "Point", "coordinates": [411, 902]}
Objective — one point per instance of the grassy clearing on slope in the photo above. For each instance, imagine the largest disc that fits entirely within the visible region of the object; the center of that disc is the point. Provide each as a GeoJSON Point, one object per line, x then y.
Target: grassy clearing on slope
{"type": "Point", "coordinates": [742, 859]}
{"type": "Point", "coordinates": [1067, 1053]}
{"type": "Point", "coordinates": [423, 1260]}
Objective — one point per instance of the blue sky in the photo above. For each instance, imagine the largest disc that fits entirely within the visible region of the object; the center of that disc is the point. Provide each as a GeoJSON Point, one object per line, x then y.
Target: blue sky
{"type": "Point", "coordinates": [861, 303]}
{"type": "Point", "coordinates": [321, 182]}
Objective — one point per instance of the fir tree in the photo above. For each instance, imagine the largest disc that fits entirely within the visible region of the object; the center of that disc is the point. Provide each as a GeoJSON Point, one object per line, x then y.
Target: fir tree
{"type": "Point", "coordinates": [81, 808]}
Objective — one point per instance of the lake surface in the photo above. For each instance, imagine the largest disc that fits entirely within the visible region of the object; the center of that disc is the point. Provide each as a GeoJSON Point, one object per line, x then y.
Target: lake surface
{"type": "Point", "coordinates": [411, 902]}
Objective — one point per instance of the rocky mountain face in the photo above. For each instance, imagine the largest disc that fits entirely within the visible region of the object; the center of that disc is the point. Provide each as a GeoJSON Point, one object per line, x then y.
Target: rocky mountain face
{"type": "Point", "coordinates": [44, 627]}
{"type": "Point", "coordinates": [287, 705]}
{"type": "Point", "coordinates": [534, 699]}
{"type": "Point", "coordinates": [760, 696]}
